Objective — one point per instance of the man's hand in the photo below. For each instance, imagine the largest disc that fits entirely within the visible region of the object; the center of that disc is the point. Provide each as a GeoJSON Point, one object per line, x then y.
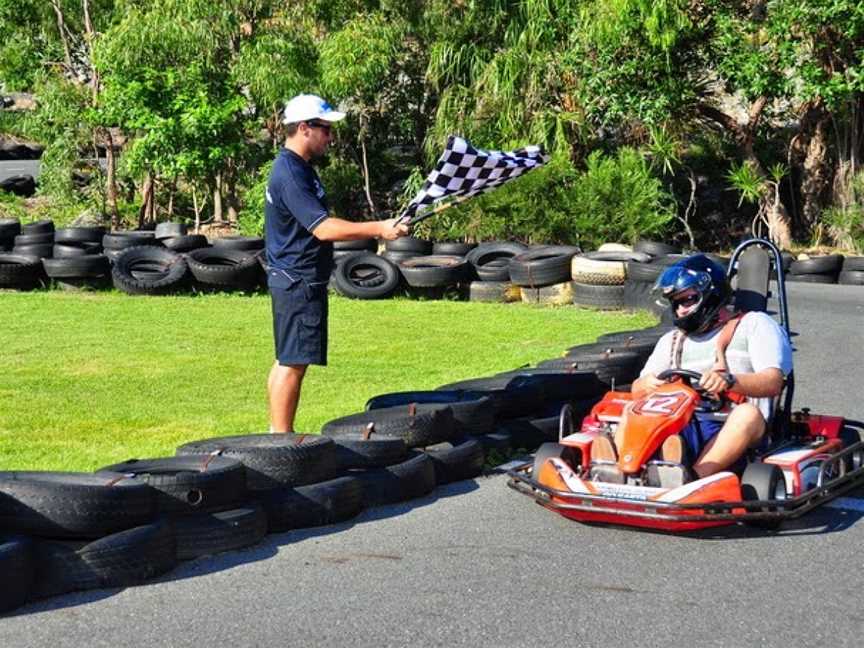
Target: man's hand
{"type": "Point", "coordinates": [646, 384]}
{"type": "Point", "coordinates": [713, 382]}
{"type": "Point", "coordinates": [390, 231]}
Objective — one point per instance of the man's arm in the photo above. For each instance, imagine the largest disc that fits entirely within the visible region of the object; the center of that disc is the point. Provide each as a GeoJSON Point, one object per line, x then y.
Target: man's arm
{"type": "Point", "coordinates": [337, 229]}
{"type": "Point", "coordinates": [765, 383]}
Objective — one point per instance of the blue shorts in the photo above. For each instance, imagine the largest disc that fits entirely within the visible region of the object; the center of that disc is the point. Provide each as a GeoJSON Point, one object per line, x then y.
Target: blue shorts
{"type": "Point", "coordinates": [698, 432]}
{"type": "Point", "coordinates": [300, 323]}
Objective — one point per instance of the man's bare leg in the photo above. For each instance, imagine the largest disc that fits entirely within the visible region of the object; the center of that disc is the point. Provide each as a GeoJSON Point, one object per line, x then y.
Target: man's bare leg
{"type": "Point", "coordinates": [743, 429]}
{"type": "Point", "coordinates": [283, 390]}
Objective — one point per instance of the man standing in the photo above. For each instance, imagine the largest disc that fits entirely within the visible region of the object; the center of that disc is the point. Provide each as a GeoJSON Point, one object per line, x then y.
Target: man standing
{"type": "Point", "coordinates": [299, 232]}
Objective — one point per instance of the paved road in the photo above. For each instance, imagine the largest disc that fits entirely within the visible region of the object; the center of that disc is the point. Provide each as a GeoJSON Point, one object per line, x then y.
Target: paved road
{"type": "Point", "coordinates": [478, 565]}
{"type": "Point", "coordinates": [11, 168]}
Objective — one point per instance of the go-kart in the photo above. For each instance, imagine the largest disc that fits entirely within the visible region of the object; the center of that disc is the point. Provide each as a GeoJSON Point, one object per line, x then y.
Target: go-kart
{"type": "Point", "coordinates": [808, 460]}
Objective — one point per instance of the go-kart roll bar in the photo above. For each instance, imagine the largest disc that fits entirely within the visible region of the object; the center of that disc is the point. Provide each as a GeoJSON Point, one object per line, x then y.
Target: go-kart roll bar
{"type": "Point", "coordinates": [778, 266]}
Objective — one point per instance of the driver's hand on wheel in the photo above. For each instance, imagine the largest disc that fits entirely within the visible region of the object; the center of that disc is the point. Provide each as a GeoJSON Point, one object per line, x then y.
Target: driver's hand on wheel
{"type": "Point", "coordinates": [652, 382]}
{"type": "Point", "coordinates": [713, 382]}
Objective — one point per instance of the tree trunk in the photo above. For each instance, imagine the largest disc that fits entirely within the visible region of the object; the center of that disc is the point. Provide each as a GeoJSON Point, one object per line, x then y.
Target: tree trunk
{"type": "Point", "coordinates": [111, 180]}
{"type": "Point", "coordinates": [217, 199]}
{"type": "Point", "coordinates": [146, 210]}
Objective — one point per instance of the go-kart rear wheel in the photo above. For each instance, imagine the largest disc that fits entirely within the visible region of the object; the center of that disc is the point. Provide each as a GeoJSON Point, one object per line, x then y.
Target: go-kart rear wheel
{"type": "Point", "coordinates": [763, 482]}
{"type": "Point", "coordinates": [850, 436]}
{"type": "Point", "coordinates": [569, 455]}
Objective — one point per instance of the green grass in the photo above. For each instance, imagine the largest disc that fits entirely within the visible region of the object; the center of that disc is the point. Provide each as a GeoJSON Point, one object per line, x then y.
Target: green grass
{"type": "Point", "coordinates": [91, 379]}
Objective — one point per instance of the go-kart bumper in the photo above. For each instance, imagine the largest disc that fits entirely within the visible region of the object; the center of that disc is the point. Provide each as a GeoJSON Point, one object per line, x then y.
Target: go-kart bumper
{"type": "Point", "coordinates": [689, 516]}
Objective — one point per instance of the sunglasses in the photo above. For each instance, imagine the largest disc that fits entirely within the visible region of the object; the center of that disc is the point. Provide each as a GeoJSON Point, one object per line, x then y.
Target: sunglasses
{"type": "Point", "coordinates": [685, 300]}
{"type": "Point", "coordinates": [327, 128]}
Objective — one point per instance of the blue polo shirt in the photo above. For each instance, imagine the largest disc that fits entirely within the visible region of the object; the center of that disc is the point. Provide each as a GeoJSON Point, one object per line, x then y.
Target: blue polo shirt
{"type": "Point", "coordinates": [295, 205]}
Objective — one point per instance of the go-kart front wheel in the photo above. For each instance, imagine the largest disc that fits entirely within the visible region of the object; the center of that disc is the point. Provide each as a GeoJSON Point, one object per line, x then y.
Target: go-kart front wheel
{"type": "Point", "coordinates": [569, 455]}
{"type": "Point", "coordinates": [763, 482]}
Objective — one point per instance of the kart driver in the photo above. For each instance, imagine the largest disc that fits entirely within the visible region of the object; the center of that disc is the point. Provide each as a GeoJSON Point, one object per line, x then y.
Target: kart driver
{"type": "Point", "coordinates": [748, 354]}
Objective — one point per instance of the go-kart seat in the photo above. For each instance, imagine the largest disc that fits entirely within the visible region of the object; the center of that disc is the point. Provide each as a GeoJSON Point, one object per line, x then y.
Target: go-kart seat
{"type": "Point", "coordinates": [751, 279]}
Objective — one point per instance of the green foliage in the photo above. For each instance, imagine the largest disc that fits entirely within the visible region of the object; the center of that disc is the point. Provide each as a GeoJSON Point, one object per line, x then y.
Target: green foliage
{"type": "Point", "coordinates": [616, 198]}
{"type": "Point", "coordinates": [744, 178]}
{"type": "Point", "coordinates": [845, 223]}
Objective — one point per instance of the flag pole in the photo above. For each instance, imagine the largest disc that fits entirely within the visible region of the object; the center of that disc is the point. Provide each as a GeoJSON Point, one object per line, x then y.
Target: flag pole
{"type": "Point", "coordinates": [436, 210]}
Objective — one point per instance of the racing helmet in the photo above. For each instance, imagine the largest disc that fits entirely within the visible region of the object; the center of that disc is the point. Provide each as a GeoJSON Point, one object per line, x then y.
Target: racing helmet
{"type": "Point", "coordinates": [698, 285]}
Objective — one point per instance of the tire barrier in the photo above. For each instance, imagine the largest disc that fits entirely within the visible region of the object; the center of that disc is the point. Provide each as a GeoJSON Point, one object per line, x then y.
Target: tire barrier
{"type": "Point", "coordinates": [542, 266]}
{"type": "Point", "coordinates": [366, 276]}
{"type": "Point", "coordinates": [224, 268]}
{"type": "Point", "coordinates": [148, 270]}
{"type": "Point", "coordinates": [491, 261]}
{"type": "Point", "coordinates": [433, 271]}
{"type": "Point", "coordinates": [473, 412]}
{"type": "Point", "coordinates": [417, 424]}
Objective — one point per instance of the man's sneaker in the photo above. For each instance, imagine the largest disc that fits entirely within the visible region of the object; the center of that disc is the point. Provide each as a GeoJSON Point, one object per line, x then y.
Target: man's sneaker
{"type": "Point", "coordinates": [603, 450]}
{"type": "Point", "coordinates": [673, 449]}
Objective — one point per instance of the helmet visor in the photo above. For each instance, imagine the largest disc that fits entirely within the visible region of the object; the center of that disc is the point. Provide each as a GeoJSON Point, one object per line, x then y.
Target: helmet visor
{"type": "Point", "coordinates": [678, 280]}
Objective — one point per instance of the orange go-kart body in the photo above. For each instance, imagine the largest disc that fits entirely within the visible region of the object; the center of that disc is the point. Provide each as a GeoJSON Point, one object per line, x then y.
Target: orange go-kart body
{"type": "Point", "coordinates": [639, 426]}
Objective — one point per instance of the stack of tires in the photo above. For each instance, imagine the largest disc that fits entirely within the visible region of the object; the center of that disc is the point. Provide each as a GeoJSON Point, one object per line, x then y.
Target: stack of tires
{"type": "Point", "coordinates": [820, 269]}
{"type": "Point", "coordinates": [599, 278]}
{"type": "Point", "coordinates": [643, 273]}
{"type": "Point", "coordinates": [852, 272]}
{"type": "Point", "coordinates": [543, 274]}
{"type": "Point", "coordinates": [489, 272]}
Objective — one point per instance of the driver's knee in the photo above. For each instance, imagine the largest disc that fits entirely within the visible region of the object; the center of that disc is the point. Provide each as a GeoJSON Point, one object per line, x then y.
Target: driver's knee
{"type": "Point", "coordinates": [746, 420]}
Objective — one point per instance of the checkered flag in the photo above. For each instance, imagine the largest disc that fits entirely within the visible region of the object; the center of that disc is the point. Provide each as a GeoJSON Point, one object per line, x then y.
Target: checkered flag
{"type": "Point", "coordinates": [463, 171]}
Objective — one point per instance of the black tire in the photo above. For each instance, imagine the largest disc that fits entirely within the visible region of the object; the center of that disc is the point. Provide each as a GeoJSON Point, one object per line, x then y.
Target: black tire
{"type": "Point", "coordinates": [170, 269]}
{"type": "Point", "coordinates": [186, 243]}
{"type": "Point", "coordinates": [207, 534]}
{"type": "Point", "coordinates": [368, 245]}
{"type": "Point", "coordinates": [498, 443]}
{"type": "Point", "coordinates": [611, 255]}
{"type": "Point", "coordinates": [655, 248]}
{"type": "Point", "coordinates": [367, 276]}
{"type": "Point", "coordinates": [642, 346]}
{"type": "Point", "coordinates": [433, 271]}
{"type": "Point", "coordinates": [512, 397]}
{"type": "Point", "coordinates": [542, 266]}
{"type": "Point", "coordinates": [451, 248]}
{"type": "Point", "coordinates": [763, 482]}
{"type": "Point", "coordinates": [19, 271]}
{"type": "Point", "coordinates": [90, 266]}
{"type": "Point", "coordinates": [473, 412]}
{"type": "Point", "coordinates": [650, 333]}
{"type": "Point", "coordinates": [72, 505]}
{"type": "Point", "coordinates": [528, 433]}
{"type": "Point", "coordinates": [243, 243]}
{"type": "Point", "coordinates": [9, 228]}
{"type": "Point", "coordinates": [188, 484]}
{"type": "Point", "coordinates": [457, 460]}
{"type": "Point", "coordinates": [489, 291]}
{"type": "Point", "coordinates": [18, 568]}
{"type": "Point", "coordinates": [416, 424]}
{"type": "Point", "coordinates": [20, 185]}
{"type": "Point", "coordinates": [829, 264]}
{"type": "Point", "coordinates": [359, 450]}
{"type": "Point", "coordinates": [851, 277]}
{"type": "Point", "coordinates": [169, 230]}
{"type": "Point", "coordinates": [409, 244]}
{"type": "Point", "coordinates": [853, 263]}
{"type": "Point", "coordinates": [620, 367]}
{"type": "Point", "coordinates": [555, 385]}
{"type": "Point", "coordinates": [39, 251]}
{"type": "Point", "coordinates": [328, 502]}
{"type": "Point", "coordinates": [554, 451]}
{"type": "Point", "coordinates": [812, 278]}
{"type": "Point", "coordinates": [69, 250]}
{"type": "Point", "coordinates": [400, 482]}
{"type": "Point", "coordinates": [38, 227]}
{"type": "Point", "coordinates": [123, 559]}
{"type": "Point", "coordinates": [491, 260]}
{"type": "Point", "coordinates": [225, 267]}
{"type": "Point", "coordinates": [123, 240]}
{"type": "Point", "coordinates": [396, 257]}
{"type": "Point", "coordinates": [601, 297]}
{"type": "Point", "coordinates": [274, 460]}
{"type": "Point", "coordinates": [639, 295]}
{"type": "Point", "coordinates": [92, 234]}
{"type": "Point", "coordinates": [34, 239]}
{"type": "Point", "coordinates": [643, 272]}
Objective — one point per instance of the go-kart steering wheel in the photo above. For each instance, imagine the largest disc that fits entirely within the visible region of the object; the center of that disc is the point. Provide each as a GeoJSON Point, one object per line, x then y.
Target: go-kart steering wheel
{"type": "Point", "coordinates": [707, 402]}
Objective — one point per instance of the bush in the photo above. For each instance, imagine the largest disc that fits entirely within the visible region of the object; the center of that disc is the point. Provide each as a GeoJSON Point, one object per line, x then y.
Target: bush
{"type": "Point", "coordinates": [613, 199]}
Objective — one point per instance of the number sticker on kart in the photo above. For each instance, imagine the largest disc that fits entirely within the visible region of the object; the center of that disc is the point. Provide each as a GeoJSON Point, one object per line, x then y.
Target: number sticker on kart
{"type": "Point", "coordinates": [661, 404]}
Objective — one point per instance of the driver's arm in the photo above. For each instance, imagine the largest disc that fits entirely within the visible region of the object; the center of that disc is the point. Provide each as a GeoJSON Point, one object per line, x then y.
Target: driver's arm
{"type": "Point", "coordinates": [765, 383]}
{"type": "Point", "coordinates": [645, 385]}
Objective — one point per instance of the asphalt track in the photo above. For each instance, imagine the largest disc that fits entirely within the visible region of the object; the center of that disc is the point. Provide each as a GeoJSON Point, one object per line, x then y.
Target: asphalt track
{"type": "Point", "coordinates": [478, 565]}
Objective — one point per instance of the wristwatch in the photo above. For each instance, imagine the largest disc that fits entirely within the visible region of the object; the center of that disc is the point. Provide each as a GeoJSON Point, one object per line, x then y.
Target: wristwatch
{"type": "Point", "coordinates": [729, 378]}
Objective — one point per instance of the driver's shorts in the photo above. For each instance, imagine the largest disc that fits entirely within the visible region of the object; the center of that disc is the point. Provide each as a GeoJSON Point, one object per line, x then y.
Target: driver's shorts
{"type": "Point", "coordinates": [698, 432]}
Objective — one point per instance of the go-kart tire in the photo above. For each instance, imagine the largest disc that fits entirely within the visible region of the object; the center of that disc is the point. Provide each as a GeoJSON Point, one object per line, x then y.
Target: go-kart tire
{"type": "Point", "coordinates": [828, 264]}
{"type": "Point", "coordinates": [206, 534]}
{"type": "Point", "coordinates": [452, 248]}
{"type": "Point", "coordinates": [328, 502]}
{"type": "Point", "coordinates": [851, 436]}
{"type": "Point", "coordinates": [434, 271]}
{"type": "Point", "coordinates": [473, 413]}
{"type": "Point", "coordinates": [602, 297]}
{"type": "Point", "coordinates": [569, 455]}
{"type": "Point", "coordinates": [274, 460]}
{"type": "Point", "coordinates": [72, 505]}
{"type": "Point", "coordinates": [762, 481]}
{"type": "Point", "coordinates": [357, 451]}
{"type": "Point", "coordinates": [407, 480]}
{"type": "Point", "coordinates": [188, 484]}
{"type": "Point", "coordinates": [18, 568]}
{"type": "Point", "coordinates": [655, 248]}
{"type": "Point", "coordinates": [125, 558]}
{"type": "Point", "coordinates": [457, 460]}
{"type": "Point", "coordinates": [358, 245]}
{"type": "Point", "coordinates": [417, 246]}
{"type": "Point", "coordinates": [542, 266]}
{"type": "Point", "coordinates": [353, 279]}
{"type": "Point", "coordinates": [417, 424]}
{"type": "Point", "coordinates": [168, 271]}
